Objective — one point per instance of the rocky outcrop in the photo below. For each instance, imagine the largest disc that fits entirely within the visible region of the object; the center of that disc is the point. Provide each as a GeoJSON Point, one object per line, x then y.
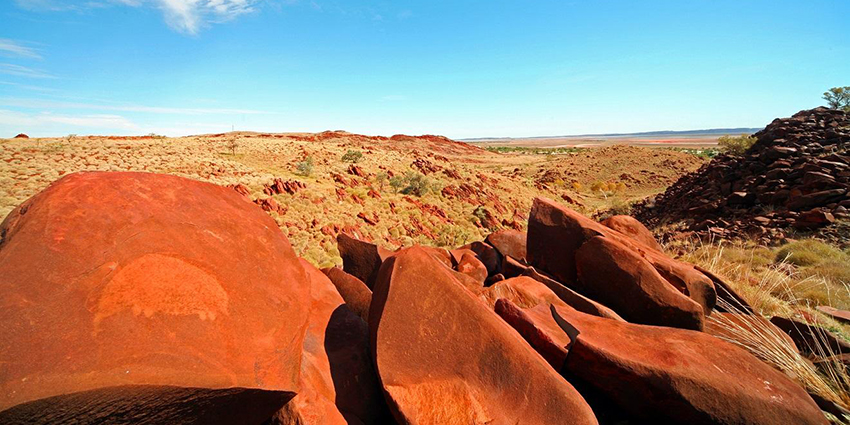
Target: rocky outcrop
{"type": "Point", "coordinates": [443, 357]}
{"type": "Point", "coordinates": [131, 297]}
{"type": "Point", "coordinates": [797, 174]}
{"type": "Point", "coordinates": [556, 234]}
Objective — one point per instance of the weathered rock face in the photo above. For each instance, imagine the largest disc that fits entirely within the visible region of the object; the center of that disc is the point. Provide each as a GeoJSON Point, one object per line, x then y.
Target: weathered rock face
{"type": "Point", "coordinates": [361, 259]}
{"type": "Point", "coordinates": [509, 242]}
{"type": "Point", "coordinates": [555, 234]}
{"type": "Point", "coordinates": [620, 278]}
{"type": "Point", "coordinates": [356, 294]}
{"type": "Point", "coordinates": [666, 375]}
{"type": "Point", "coordinates": [634, 229]}
{"type": "Point", "coordinates": [799, 169]}
{"type": "Point", "coordinates": [443, 357]}
{"type": "Point", "coordinates": [538, 328]}
{"type": "Point", "coordinates": [115, 279]}
{"type": "Point", "coordinates": [338, 383]}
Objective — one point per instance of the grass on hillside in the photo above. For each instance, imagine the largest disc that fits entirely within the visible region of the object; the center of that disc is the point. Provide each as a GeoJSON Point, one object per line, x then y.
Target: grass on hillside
{"type": "Point", "coordinates": [788, 281]}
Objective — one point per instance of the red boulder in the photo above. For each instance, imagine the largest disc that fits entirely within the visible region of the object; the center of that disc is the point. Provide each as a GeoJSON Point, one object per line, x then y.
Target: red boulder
{"type": "Point", "coordinates": [117, 279]}
{"type": "Point", "coordinates": [443, 357]}
{"type": "Point", "coordinates": [666, 375]}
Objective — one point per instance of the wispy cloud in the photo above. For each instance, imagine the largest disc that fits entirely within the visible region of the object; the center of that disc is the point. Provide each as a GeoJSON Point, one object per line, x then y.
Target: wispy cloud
{"type": "Point", "coordinates": [22, 71]}
{"type": "Point", "coordinates": [39, 103]}
{"type": "Point", "coordinates": [14, 48]}
{"type": "Point", "coordinates": [43, 120]}
{"type": "Point", "coordinates": [27, 87]}
{"type": "Point", "coordinates": [185, 16]}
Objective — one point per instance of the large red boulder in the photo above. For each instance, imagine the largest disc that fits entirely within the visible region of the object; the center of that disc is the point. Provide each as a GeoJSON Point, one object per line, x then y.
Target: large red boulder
{"type": "Point", "coordinates": [618, 277]}
{"type": "Point", "coordinates": [509, 242]}
{"type": "Point", "coordinates": [634, 229]}
{"type": "Point", "coordinates": [444, 357]}
{"type": "Point", "coordinates": [555, 233]}
{"type": "Point", "coordinates": [117, 279]}
{"type": "Point", "coordinates": [667, 375]}
{"type": "Point", "coordinates": [338, 383]}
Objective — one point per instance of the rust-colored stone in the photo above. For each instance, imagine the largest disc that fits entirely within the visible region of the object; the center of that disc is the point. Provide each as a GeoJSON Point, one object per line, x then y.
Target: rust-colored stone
{"type": "Point", "coordinates": [115, 279]}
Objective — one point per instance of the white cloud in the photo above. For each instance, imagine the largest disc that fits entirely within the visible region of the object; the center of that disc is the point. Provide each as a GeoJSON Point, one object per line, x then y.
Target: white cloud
{"type": "Point", "coordinates": [189, 16]}
{"type": "Point", "coordinates": [50, 104]}
{"type": "Point", "coordinates": [59, 124]}
{"type": "Point", "coordinates": [14, 48]}
{"type": "Point", "coordinates": [186, 16]}
{"type": "Point", "coordinates": [22, 71]}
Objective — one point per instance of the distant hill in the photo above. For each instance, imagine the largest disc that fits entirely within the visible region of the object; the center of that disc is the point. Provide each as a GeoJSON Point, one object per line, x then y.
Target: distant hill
{"type": "Point", "coordinates": [653, 134]}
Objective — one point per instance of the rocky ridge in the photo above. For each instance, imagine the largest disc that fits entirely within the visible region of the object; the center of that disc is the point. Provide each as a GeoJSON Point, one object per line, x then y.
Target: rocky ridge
{"type": "Point", "coordinates": [796, 176]}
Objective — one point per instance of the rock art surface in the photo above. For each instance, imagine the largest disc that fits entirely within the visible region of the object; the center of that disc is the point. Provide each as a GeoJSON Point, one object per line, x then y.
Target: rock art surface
{"type": "Point", "coordinates": [509, 242]}
{"type": "Point", "coordinates": [116, 279]}
{"type": "Point", "coordinates": [356, 294]}
{"type": "Point", "coordinates": [628, 226]}
{"type": "Point", "coordinates": [618, 277]}
{"type": "Point", "coordinates": [443, 357]}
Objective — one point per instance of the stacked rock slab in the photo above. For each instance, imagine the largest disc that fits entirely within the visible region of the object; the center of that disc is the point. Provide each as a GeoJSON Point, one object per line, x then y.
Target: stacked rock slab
{"type": "Point", "coordinates": [182, 289]}
{"type": "Point", "coordinates": [797, 174]}
{"type": "Point", "coordinates": [666, 375]}
{"type": "Point", "coordinates": [556, 236]}
{"type": "Point", "coordinates": [444, 357]}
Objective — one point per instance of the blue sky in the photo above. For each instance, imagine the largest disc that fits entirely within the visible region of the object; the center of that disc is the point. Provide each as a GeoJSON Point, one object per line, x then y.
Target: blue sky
{"type": "Point", "coordinates": [458, 68]}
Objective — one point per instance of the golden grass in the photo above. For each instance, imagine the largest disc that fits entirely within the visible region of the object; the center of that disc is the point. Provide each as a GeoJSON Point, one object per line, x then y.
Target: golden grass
{"type": "Point", "coordinates": [774, 288]}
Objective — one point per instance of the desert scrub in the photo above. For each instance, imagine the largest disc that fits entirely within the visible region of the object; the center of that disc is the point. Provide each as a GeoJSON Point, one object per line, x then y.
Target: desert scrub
{"type": "Point", "coordinates": [352, 156]}
{"type": "Point", "coordinates": [775, 288]}
{"type": "Point", "coordinates": [735, 145]}
{"type": "Point", "coordinates": [809, 252]}
{"type": "Point", "coordinates": [304, 168]}
{"type": "Point", "coordinates": [413, 183]}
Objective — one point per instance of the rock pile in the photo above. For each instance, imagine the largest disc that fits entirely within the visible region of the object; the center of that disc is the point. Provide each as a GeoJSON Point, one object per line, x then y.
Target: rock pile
{"type": "Point", "coordinates": [131, 297]}
{"type": "Point", "coordinates": [797, 175]}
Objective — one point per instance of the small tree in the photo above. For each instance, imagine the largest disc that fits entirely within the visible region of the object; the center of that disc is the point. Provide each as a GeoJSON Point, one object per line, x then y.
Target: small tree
{"type": "Point", "coordinates": [232, 145]}
{"type": "Point", "coordinates": [735, 145]}
{"type": "Point", "coordinates": [305, 167]}
{"type": "Point", "coordinates": [838, 98]}
{"type": "Point", "coordinates": [381, 178]}
{"type": "Point", "coordinates": [352, 156]}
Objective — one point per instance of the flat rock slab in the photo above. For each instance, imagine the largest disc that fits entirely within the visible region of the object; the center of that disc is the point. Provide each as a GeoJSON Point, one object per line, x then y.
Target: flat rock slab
{"type": "Point", "coordinates": [444, 357]}
{"type": "Point", "coordinates": [667, 375]}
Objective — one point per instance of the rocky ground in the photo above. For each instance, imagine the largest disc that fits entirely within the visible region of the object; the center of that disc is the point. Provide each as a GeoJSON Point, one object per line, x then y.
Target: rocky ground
{"type": "Point", "coordinates": [462, 192]}
{"type": "Point", "coordinates": [171, 300]}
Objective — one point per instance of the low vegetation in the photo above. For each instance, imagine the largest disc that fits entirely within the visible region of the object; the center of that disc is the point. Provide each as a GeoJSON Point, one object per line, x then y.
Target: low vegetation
{"type": "Point", "coordinates": [735, 145]}
{"type": "Point", "coordinates": [787, 281]}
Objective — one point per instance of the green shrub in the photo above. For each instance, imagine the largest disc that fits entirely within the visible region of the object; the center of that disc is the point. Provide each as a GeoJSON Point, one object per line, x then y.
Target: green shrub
{"type": "Point", "coordinates": [305, 167]}
{"type": "Point", "coordinates": [808, 252]}
{"type": "Point", "coordinates": [413, 183]}
{"type": "Point", "coordinates": [352, 156]}
{"type": "Point", "coordinates": [735, 145]}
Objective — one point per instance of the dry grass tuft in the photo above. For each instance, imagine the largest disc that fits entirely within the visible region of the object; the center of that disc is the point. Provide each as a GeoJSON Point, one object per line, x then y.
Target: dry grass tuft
{"type": "Point", "coordinates": [774, 288]}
